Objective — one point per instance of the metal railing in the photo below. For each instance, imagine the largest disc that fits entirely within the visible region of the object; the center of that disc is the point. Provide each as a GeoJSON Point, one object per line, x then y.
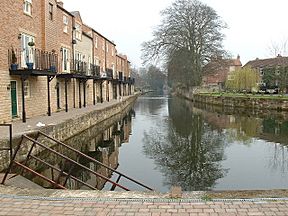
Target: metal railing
{"type": "Point", "coordinates": [109, 73]}
{"type": "Point", "coordinates": [120, 76]}
{"type": "Point", "coordinates": [95, 70]}
{"type": "Point", "coordinates": [41, 60]}
{"type": "Point", "coordinates": [61, 171]}
{"type": "Point", "coordinates": [79, 67]}
{"type": "Point", "coordinates": [10, 140]}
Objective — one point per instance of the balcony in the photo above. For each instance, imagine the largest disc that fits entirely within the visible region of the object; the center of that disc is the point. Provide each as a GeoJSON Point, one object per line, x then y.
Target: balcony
{"type": "Point", "coordinates": [79, 68]}
{"type": "Point", "coordinates": [109, 73]}
{"type": "Point", "coordinates": [95, 70]}
{"type": "Point", "coordinates": [32, 61]}
{"type": "Point", "coordinates": [120, 76]}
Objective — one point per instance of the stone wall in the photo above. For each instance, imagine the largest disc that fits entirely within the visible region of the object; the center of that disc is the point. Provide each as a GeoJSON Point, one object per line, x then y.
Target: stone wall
{"type": "Point", "coordinates": [66, 129]}
{"type": "Point", "coordinates": [276, 103]}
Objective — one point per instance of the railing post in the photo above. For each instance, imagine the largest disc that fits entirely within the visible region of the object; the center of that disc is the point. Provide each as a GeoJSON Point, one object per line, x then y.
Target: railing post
{"type": "Point", "coordinates": [12, 161]}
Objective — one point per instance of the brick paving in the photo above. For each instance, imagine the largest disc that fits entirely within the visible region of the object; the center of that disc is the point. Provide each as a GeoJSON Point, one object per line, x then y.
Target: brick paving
{"type": "Point", "coordinates": [39, 207]}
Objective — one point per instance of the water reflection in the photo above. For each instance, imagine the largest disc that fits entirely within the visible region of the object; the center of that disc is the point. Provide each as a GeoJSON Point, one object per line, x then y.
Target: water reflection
{"type": "Point", "coordinates": [184, 151]}
{"type": "Point", "coordinates": [101, 142]}
{"type": "Point", "coordinates": [203, 147]}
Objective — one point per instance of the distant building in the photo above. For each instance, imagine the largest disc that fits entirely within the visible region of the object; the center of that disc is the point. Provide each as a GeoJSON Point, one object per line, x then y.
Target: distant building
{"type": "Point", "coordinates": [217, 71]}
{"type": "Point", "coordinates": [273, 72]}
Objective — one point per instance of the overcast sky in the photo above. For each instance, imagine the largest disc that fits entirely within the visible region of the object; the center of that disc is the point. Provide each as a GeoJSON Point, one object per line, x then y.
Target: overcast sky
{"type": "Point", "coordinates": [252, 24]}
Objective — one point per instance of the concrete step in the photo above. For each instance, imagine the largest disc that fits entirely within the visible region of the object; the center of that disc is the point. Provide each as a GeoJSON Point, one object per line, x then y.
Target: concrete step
{"type": "Point", "coordinates": [19, 181]}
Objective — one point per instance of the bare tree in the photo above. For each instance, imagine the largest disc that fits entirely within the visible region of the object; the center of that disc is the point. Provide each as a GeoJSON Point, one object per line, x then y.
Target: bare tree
{"type": "Point", "coordinates": [278, 48]}
{"type": "Point", "coordinates": [189, 30]}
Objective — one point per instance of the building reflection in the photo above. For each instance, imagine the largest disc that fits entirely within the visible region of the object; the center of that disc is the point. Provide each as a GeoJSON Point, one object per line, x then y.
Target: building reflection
{"type": "Point", "coordinates": [101, 142]}
{"type": "Point", "coordinates": [244, 125]}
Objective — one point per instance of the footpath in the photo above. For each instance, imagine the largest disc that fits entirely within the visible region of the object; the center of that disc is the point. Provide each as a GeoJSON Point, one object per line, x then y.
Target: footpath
{"type": "Point", "coordinates": [36, 122]}
{"type": "Point", "coordinates": [15, 202]}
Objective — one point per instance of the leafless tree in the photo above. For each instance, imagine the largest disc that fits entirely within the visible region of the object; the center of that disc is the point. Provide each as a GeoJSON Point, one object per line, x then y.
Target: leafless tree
{"type": "Point", "coordinates": [189, 35]}
{"type": "Point", "coordinates": [278, 48]}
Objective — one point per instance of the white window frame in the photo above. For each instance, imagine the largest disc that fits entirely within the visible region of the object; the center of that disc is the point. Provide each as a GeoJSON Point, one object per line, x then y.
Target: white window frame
{"type": "Point", "coordinates": [96, 42]}
{"type": "Point", "coordinates": [27, 91]}
{"type": "Point", "coordinates": [27, 54]}
{"type": "Point", "coordinates": [112, 50]}
{"type": "Point", "coordinates": [78, 31]}
{"type": "Point", "coordinates": [27, 7]}
{"type": "Point", "coordinates": [261, 71]}
{"type": "Point", "coordinates": [65, 22]}
{"type": "Point", "coordinates": [65, 59]}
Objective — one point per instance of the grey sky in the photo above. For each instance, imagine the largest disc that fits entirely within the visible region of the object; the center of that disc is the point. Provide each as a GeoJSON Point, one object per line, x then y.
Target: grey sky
{"type": "Point", "coordinates": [253, 24]}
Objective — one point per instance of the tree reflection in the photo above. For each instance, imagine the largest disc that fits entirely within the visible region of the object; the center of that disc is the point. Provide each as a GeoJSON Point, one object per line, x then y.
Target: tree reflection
{"type": "Point", "coordinates": [187, 151]}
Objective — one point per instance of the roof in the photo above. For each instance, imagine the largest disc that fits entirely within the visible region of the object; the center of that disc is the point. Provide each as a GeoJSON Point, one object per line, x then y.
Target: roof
{"type": "Point", "coordinates": [76, 14]}
{"type": "Point", "coordinates": [269, 62]}
{"type": "Point", "coordinates": [63, 9]}
{"type": "Point", "coordinates": [219, 65]}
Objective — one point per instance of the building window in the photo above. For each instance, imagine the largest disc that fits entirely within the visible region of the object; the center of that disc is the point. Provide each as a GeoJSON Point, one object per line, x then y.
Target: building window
{"type": "Point", "coordinates": [112, 50]}
{"type": "Point", "coordinates": [65, 60]}
{"type": "Point", "coordinates": [277, 71]}
{"type": "Point", "coordinates": [103, 45]}
{"type": "Point", "coordinates": [26, 89]}
{"type": "Point", "coordinates": [78, 31]}
{"type": "Point", "coordinates": [96, 42]}
{"type": "Point", "coordinates": [65, 22]}
{"type": "Point", "coordinates": [50, 8]}
{"type": "Point", "coordinates": [107, 48]}
{"type": "Point", "coordinates": [261, 71]}
{"type": "Point", "coordinates": [28, 7]}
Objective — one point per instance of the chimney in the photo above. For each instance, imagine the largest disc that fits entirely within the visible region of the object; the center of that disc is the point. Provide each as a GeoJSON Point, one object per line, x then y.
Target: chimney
{"type": "Point", "coordinates": [279, 55]}
{"type": "Point", "coordinates": [238, 57]}
{"type": "Point", "coordinates": [60, 3]}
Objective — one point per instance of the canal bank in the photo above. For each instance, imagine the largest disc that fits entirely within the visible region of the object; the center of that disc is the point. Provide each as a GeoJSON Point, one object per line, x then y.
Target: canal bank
{"type": "Point", "coordinates": [62, 125]}
{"type": "Point", "coordinates": [273, 102]}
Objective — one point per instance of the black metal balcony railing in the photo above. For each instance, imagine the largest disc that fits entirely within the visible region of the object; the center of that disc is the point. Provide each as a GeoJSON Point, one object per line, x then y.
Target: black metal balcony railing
{"type": "Point", "coordinates": [79, 67]}
{"type": "Point", "coordinates": [109, 73]}
{"type": "Point", "coordinates": [125, 79]}
{"type": "Point", "coordinates": [120, 76]}
{"type": "Point", "coordinates": [37, 59]}
{"type": "Point", "coordinates": [95, 70]}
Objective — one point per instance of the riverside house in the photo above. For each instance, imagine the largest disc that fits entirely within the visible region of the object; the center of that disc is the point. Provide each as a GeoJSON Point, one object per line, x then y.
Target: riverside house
{"type": "Point", "coordinates": [273, 73]}
{"type": "Point", "coordinates": [50, 60]}
{"type": "Point", "coordinates": [217, 71]}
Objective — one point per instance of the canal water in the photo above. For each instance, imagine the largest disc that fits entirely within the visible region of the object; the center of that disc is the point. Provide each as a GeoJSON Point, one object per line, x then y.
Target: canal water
{"type": "Point", "coordinates": [165, 141]}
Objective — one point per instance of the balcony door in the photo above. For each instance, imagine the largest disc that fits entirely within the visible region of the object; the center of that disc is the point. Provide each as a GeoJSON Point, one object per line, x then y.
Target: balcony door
{"type": "Point", "coordinates": [65, 60]}
{"type": "Point", "coordinates": [27, 54]}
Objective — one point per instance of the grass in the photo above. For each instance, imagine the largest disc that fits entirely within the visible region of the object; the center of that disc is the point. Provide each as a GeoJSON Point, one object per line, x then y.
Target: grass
{"type": "Point", "coordinates": [240, 95]}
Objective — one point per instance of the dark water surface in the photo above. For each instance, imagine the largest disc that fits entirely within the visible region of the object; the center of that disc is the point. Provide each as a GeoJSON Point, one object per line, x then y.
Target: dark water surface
{"type": "Point", "coordinates": [170, 141]}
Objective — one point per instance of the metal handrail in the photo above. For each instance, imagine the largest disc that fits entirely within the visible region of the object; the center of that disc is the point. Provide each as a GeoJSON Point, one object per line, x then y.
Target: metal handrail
{"type": "Point", "coordinates": [74, 162]}
{"type": "Point", "coordinates": [95, 161]}
{"type": "Point", "coordinates": [61, 171]}
{"type": "Point", "coordinates": [10, 140]}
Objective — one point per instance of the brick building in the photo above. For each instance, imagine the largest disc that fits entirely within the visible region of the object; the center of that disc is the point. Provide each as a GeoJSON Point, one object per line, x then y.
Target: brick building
{"type": "Point", "coordinates": [216, 72]}
{"type": "Point", "coordinates": [50, 60]}
{"type": "Point", "coordinates": [273, 73]}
